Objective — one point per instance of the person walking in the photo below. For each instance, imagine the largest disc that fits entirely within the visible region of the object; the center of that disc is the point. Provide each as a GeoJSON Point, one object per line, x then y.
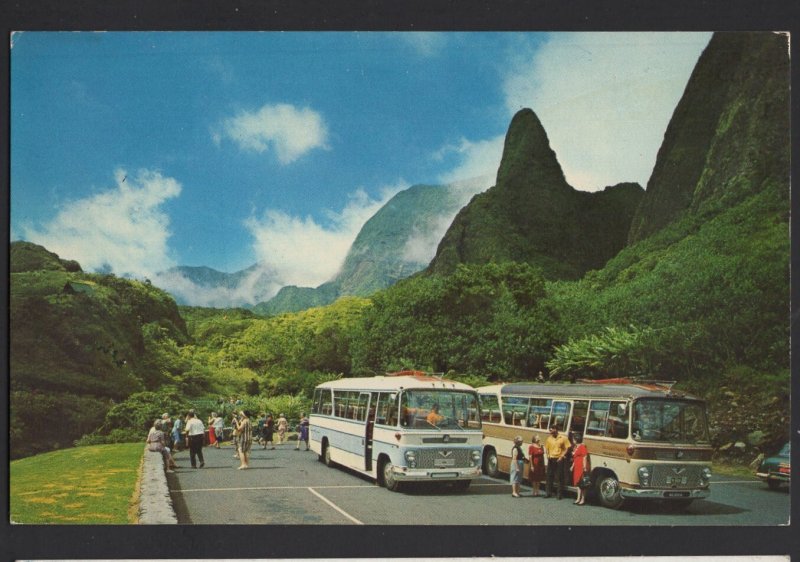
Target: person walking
{"type": "Point", "coordinates": [218, 424]}
{"type": "Point", "coordinates": [283, 426]}
{"type": "Point", "coordinates": [303, 433]}
{"type": "Point", "coordinates": [244, 430]}
{"type": "Point", "coordinates": [269, 431]}
{"type": "Point", "coordinates": [536, 471]}
{"type": "Point", "coordinates": [517, 466]}
{"type": "Point", "coordinates": [195, 432]}
{"type": "Point", "coordinates": [177, 434]}
{"type": "Point", "coordinates": [580, 466]}
{"type": "Point", "coordinates": [555, 448]}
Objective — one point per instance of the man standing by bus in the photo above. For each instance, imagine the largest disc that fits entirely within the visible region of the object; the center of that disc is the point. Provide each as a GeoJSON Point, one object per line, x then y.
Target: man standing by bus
{"type": "Point", "coordinates": [555, 448]}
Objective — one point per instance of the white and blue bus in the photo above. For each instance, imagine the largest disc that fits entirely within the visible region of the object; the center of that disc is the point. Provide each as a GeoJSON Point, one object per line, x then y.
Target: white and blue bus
{"type": "Point", "coordinates": [398, 428]}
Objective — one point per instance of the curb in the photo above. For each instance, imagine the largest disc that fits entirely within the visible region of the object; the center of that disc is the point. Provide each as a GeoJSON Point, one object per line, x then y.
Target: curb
{"type": "Point", "coordinates": [155, 503]}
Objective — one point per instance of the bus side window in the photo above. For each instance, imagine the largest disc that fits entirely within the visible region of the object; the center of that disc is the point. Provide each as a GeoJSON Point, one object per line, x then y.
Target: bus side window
{"type": "Point", "coordinates": [598, 414]}
{"type": "Point", "coordinates": [579, 411]}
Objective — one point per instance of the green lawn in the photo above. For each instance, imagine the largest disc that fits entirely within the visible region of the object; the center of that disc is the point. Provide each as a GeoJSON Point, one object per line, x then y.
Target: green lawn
{"type": "Point", "coordinates": [82, 485]}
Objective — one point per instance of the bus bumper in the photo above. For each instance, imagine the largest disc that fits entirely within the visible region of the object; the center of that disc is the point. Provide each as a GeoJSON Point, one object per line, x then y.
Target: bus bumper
{"type": "Point", "coordinates": [425, 474]}
{"type": "Point", "coordinates": [670, 494]}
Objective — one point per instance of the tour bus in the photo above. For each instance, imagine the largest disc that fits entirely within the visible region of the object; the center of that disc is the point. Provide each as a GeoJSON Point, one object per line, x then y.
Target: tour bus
{"type": "Point", "coordinates": [402, 427]}
{"type": "Point", "coordinates": [645, 440]}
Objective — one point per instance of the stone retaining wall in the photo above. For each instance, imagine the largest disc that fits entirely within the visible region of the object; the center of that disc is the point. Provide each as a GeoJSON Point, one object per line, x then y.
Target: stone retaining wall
{"type": "Point", "coordinates": [155, 503]}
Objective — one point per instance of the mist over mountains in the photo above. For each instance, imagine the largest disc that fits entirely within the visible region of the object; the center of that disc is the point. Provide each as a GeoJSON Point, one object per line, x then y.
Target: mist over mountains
{"type": "Point", "coordinates": [398, 241]}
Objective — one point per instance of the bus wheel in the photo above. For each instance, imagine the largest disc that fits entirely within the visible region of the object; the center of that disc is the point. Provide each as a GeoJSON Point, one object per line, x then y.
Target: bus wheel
{"type": "Point", "coordinates": [608, 491]}
{"type": "Point", "coordinates": [389, 479]}
{"type": "Point", "coordinates": [326, 455]}
{"type": "Point", "coordinates": [490, 463]}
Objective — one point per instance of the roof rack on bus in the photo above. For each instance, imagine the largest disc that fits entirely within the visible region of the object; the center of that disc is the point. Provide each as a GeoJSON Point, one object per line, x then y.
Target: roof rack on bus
{"type": "Point", "coordinates": [413, 373]}
{"type": "Point", "coordinates": [632, 380]}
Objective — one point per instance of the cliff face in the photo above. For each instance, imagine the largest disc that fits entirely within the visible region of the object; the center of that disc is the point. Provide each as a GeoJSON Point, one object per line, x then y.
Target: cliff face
{"type": "Point", "coordinates": [533, 215]}
{"type": "Point", "coordinates": [729, 133]}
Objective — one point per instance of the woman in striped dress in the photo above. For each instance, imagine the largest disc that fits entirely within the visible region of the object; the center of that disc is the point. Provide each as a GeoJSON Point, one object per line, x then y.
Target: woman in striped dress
{"type": "Point", "coordinates": [245, 431]}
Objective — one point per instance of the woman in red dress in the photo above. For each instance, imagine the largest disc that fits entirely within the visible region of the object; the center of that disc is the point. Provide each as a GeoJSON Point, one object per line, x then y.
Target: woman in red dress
{"type": "Point", "coordinates": [580, 464]}
{"type": "Point", "coordinates": [536, 473]}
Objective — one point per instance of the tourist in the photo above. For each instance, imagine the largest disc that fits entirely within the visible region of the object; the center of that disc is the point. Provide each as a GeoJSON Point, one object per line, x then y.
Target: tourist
{"type": "Point", "coordinates": [157, 443]}
{"type": "Point", "coordinates": [580, 466]}
{"type": "Point", "coordinates": [283, 426]}
{"type": "Point", "coordinates": [269, 431]}
{"type": "Point", "coordinates": [244, 430]}
{"type": "Point", "coordinates": [536, 471]}
{"type": "Point", "coordinates": [303, 432]}
{"type": "Point", "coordinates": [555, 448]}
{"type": "Point", "coordinates": [212, 436]}
{"type": "Point", "coordinates": [517, 466]}
{"type": "Point", "coordinates": [218, 424]}
{"type": "Point", "coordinates": [195, 432]}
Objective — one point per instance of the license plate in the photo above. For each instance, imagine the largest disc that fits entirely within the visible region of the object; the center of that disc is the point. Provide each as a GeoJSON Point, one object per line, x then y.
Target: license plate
{"type": "Point", "coordinates": [444, 463]}
{"type": "Point", "coordinates": [676, 494]}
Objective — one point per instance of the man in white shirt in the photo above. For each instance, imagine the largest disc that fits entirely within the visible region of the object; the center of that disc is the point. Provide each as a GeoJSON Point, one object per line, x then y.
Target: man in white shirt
{"type": "Point", "coordinates": [196, 432]}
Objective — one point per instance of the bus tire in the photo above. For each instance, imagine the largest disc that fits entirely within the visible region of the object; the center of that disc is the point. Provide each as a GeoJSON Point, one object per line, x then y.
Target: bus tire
{"type": "Point", "coordinates": [326, 455]}
{"type": "Point", "coordinates": [608, 491]}
{"type": "Point", "coordinates": [490, 463]}
{"type": "Point", "coordinates": [388, 478]}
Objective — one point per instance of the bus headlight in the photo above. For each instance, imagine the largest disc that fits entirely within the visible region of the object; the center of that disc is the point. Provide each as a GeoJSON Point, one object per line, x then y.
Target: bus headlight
{"type": "Point", "coordinates": [645, 472]}
{"type": "Point", "coordinates": [475, 458]}
{"type": "Point", "coordinates": [705, 474]}
{"type": "Point", "coordinates": [411, 459]}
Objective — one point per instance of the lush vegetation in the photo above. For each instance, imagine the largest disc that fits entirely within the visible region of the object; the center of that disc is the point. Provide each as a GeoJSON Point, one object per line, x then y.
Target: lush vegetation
{"type": "Point", "coordinates": [703, 300]}
{"type": "Point", "coordinates": [85, 485]}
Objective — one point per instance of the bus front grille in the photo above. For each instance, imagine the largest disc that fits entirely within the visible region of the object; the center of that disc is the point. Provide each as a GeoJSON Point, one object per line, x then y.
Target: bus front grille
{"type": "Point", "coordinates": [676, 476]}
{"type": "Point", "coordinates": [443, 458]}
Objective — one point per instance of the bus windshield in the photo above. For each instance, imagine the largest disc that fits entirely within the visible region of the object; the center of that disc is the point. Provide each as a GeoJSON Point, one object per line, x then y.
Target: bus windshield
{"type": "Point", "coordinates": [439, 409]}
{"type": "Point", "coordinates": [672, 421]}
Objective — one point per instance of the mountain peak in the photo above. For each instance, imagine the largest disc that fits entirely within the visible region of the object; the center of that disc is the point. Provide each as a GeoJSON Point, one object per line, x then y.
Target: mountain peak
{"type": "Point", "coordinates": [527, 155]}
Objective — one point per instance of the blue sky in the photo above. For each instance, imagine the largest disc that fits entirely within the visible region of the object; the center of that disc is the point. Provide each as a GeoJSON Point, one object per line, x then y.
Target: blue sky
{"type": "Point", "coordinates": [134, 151]}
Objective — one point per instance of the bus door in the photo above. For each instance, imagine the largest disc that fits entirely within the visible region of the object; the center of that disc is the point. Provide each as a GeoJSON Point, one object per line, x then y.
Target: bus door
{"type": "Point", "coordinates": [369, 409]}
{"type": "Point", "coordinates": [560, 414]}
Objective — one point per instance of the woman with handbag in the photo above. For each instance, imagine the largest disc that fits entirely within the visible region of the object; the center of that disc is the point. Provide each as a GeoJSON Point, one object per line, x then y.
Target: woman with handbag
{"type": "Point", "coordinates": [580, 468]}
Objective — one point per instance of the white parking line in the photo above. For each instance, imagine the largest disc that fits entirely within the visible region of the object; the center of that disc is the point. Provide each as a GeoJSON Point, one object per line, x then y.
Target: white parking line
{"type": "Point", "coordinates": [266, 488]}
{"type": "Point", "coordinates": [334, 506]}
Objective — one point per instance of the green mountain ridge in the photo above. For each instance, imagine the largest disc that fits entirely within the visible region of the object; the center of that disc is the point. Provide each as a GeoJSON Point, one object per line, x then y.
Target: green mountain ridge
{"type": "Point", "coordinates": [378, 257]}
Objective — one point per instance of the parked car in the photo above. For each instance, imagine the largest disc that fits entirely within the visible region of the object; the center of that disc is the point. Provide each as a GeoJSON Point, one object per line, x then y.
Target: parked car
{"type": "Point", "coordinates": [776, 469]}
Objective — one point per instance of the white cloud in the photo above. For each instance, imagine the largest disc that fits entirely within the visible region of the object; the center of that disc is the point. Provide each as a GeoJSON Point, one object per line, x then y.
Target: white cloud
{"type": "Point", "coordinates": [420, 248]}
{"type": "Point", "coordinates": [605, 99]}
{"type": "Point", "coordinates": [477, 159]}
{"type": "Point", "coordinates": [306, 253]}
{"type": "Point", "coordinates": [289, 131]}
{"type": "Point", "coordinates": [257, 286]}
{"type": "Point", "coordinates": [122, 229]}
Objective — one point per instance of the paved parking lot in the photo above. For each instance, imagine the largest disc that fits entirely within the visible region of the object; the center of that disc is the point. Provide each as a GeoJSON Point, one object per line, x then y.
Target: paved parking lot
{"type": "Point", "coordinates": [288, 487]}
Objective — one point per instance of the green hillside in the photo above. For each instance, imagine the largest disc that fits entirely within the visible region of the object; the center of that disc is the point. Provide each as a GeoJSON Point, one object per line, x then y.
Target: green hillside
{"type": "Point", "coordinates": [78, 342]}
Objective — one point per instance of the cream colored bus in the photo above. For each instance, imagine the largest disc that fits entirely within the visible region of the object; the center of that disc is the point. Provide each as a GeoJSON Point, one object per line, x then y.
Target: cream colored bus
{"type": "Point", "coordinates": [399, 428]}
{"type": "Point", "coordinates": [645, 441]}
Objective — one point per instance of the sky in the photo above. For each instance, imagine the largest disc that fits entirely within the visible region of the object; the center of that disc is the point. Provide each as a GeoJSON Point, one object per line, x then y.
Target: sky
{"type": "Point", "coordinates": [133, 152]}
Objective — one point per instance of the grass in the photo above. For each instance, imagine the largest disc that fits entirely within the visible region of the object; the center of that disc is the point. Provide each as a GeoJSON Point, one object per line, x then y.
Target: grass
{"type": "Point", "coordinates": [82, 485]}
{"type": "Point", "coordinates": [732, 469]}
